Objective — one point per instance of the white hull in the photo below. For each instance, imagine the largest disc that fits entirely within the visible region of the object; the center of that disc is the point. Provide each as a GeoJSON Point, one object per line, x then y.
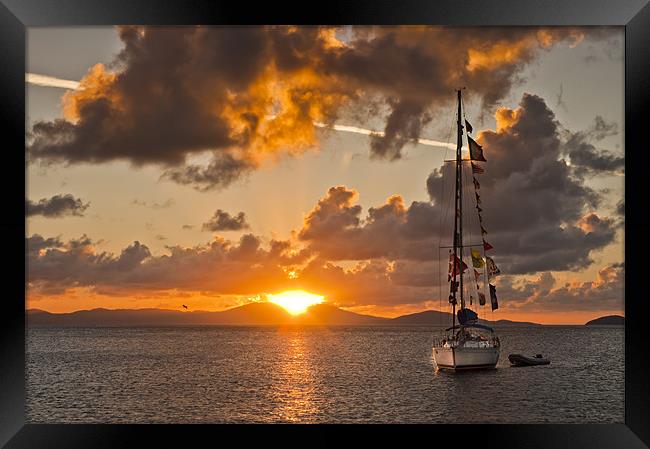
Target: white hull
{"type": "Point", "coordinates": [465, 358]}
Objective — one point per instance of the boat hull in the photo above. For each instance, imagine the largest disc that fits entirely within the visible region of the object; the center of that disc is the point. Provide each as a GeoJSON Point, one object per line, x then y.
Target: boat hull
{"type": "Point", "coordinates": [460, 358]}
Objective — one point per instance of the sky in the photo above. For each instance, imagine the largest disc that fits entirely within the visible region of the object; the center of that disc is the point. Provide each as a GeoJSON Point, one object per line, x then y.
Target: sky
{"type": "Point", "coordinates": [212, 166]}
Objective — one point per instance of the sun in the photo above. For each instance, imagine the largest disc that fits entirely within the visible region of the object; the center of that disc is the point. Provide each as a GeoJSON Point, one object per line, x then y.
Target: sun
{"type": "Point", "coordinates": [295, 301]}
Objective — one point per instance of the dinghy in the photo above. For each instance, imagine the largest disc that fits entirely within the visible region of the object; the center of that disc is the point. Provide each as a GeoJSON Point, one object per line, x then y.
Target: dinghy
{"type": "Point", "coordinates": [522, 360]}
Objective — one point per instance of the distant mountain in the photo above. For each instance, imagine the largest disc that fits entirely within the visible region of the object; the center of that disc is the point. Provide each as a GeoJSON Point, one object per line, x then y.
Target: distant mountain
{"type": "Point", "coordinates": [326, 314]}
{"type": "Point", "coordinates": [426, 318]}
{"type": "Point", "coordinates": [258, 313]}
{"type": "Point", "coordinates": [509, 323]}
{"type": "Point", "coordinates": [609, 320]}
{"type": "Point", "coordinates": [436, 318]}
{"type": "Point", "coordinates": [250, 314]}
{"type": "Point", "coordinates": [255, 313]}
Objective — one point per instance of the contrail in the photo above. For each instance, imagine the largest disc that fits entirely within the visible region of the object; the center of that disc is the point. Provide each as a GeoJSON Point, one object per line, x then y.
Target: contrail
{"type": "Point", "coordinates": [50, 81]}
{"type": "Point", "coordinates": [369, 132]}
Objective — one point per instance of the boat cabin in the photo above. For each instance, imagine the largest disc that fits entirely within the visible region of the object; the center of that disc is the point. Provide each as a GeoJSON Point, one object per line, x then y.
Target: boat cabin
{"type": "Point", "coordinates": [471, 336]}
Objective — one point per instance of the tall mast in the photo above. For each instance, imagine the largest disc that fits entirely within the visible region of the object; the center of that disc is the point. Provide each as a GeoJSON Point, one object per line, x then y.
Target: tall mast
{"type": "Point", "coordinates": [458, 222]}
{"type": "Point", "coordinates": [459, 165]}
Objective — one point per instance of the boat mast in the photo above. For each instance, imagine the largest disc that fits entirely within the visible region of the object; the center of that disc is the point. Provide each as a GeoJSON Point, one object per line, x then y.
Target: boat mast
{"type": "Point", "coordinates": [459, 165]}
{"type": "Point", "coordinates": [458, 210]}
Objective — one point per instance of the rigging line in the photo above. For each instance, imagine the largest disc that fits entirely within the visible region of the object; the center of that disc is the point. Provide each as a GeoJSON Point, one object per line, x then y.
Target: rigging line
{"type": "Point", "coordinates": [483, 284]}
{"type": "Point", "coordinates": [472, 229]}
{"type": "Point", "coordinates": [466, 201]}
{"type": "Point", "coordinates": [441, 198]}
{"type": "Point", "coordinates": [447, 200]}
{"type": "Point", "coordinates": [451, 127]}
{"type": "Point", "coordinates": [442, 217]}
{"type": "Point", "coordinates": [471, 239]}
{"type": "Point", "coordinates": [439, 292]}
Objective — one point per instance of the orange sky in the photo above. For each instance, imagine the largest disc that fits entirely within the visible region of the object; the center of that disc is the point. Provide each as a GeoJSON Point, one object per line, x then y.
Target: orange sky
{"type": "Point", "coordinates": [244, 192]}
{"type": "Point", "coordinates": [83, 300]}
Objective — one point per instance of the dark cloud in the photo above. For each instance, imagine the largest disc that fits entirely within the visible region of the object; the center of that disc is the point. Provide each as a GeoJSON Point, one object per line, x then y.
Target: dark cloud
{"type": "Point", "coordinates": [539, 215]}
{"type": "Point", "coordinates": [545, 293]}
{"type": "Point", "coordinates": [219, 266]}
{"type": "Point", "coordinates": [369, 282]}
{"type": "Point", "coordinates": [620, 208]}
{"type": "Point", "coordinates": [336, 230]}
{"type": "Point", "coordinates": [404, 124]}
{"type": "Point", "coordinates": [335, 213]}
{"type": "Point", "coordinates": [176, 92]}
{"type": "Point", "coordinates": [223, 221]}
{"type": "Point", "coordinates": [223, 170]}
{"type": "Point", "coordinates": [416, 69]}
{"type": "Point", "coordinates": [56, 207]}
{"type": "Point", "coordinates": [36, 242]}
{"type": "Point", "coordinates": [585, 157]}
{"type": "Point", "coordinates": [59, 265]}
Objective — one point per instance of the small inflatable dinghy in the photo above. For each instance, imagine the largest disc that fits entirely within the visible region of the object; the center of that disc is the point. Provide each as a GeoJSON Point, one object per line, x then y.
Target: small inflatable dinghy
{"type": "Point", "coordinates": [522, 360]}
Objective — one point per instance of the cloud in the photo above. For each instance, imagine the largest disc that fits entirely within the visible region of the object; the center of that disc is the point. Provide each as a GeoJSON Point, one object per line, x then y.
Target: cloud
{"type": "Point", "coordinates": [620, 208]}
{"type": "Point", "coordinates": [219, 266]}
{"type": "Point", "coordinates": [585, 157]}
{"type": "Point", "coordinates": [405, 123]}
{"type": "Point", "coordinates": [36, 243]}
{"type": "Point", "coordinates": [223, 221]}
{"type": "Point", "coordinates": [252, 94]}
{"type": "Point", "coordinates": [539, 214]}
{"type": "Point", "coordinates": [223, 170]}
{"type": "Point", "coordinates": [543, 293]}
{"type": "Point", "coordinates": [333, 214]}
{"type": "Point", "coordinates": [336, 230]}
{"type": "Point", "coordinates": [366, 283]}
{"type": "Point", "coordinates": [57, 206]}
{"type": "Point", "coordinates": [49, 81]}
{"type": "Point", "coordinates": [154, 205]}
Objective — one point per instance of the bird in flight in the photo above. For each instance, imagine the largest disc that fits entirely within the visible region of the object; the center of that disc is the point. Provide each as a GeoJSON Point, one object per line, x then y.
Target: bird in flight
{"type": "Point", "coordinates": [184, 306]}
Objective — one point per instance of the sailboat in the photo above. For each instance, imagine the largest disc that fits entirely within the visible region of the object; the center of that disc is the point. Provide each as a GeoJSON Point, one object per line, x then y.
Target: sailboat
{"type": "Point", "coordinates": [468, 344]}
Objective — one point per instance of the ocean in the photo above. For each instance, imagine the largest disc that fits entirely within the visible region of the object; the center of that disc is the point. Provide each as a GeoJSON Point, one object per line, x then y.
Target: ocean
{"type": "Point", "coordinates": [217, 374]}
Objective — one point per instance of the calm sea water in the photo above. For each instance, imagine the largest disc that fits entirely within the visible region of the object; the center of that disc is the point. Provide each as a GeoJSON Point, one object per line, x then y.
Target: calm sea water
{"type": "Point", "coordinates": [337, 374]}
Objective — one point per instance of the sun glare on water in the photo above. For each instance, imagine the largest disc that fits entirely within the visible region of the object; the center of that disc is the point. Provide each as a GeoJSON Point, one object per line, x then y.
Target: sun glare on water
{"type": "Point", "coordinates": [295, 301]}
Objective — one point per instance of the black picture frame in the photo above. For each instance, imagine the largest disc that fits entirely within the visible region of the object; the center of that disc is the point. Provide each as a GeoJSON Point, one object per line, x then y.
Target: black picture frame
{"type": "Point", "coordinates": [16, 15]}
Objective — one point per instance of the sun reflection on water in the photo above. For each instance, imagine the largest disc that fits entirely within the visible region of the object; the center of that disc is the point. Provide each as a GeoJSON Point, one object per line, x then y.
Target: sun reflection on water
{"type": "Point", "coordinates": [296, 381]}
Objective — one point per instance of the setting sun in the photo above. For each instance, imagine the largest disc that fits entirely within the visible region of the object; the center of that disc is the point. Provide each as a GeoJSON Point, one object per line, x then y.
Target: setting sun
{"type": "Point", "coordinates": [295, 301]}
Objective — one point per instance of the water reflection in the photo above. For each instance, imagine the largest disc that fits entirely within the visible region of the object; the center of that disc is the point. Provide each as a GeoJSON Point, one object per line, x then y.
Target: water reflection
{"type": "Point", "coordinates": [336, 375]}
{"type": "Point", "coordinates": [295, 378]}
